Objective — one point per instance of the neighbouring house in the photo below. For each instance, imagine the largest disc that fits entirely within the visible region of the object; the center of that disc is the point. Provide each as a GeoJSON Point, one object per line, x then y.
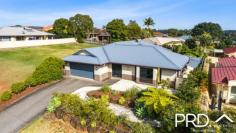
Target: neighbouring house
{"type": "Point", "coordinates": [132, 60]}
{"type": "Point", "coordinates": [165, 40]}
{"type": "Point", "coordinates": [230, 52]}
{"type": "Point", "coordinates": [47, 28]}
{"type": "Point", "coordinates": [223, 79]}
{"type": "Point", "coordinates": [159, 34]}
{"type": "Point", "coordinates": [100, 36]}
{"type": "Point", "coordinates": [20, 33]}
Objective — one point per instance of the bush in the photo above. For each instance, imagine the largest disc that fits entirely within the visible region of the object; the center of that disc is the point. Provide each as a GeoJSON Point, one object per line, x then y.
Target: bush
{"type": "Point", "coordinates": [51, 69]}
{"type": "Point", "coordinates": [106, 89]}
{"type": "Point", "coordinates": [18, 87]}
{"type": "Point", "coordinates": [132, 93]}
{"type": "Point", "coordinates": [6, 96]}
{"type": "Point", "coordinates": [53, 104]}
{"type": "Point", "coordinates": [121, 101]}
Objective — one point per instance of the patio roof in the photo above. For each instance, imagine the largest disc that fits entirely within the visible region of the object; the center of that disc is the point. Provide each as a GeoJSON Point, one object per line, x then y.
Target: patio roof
{"type": "Point", "coordinates": [222, 75]}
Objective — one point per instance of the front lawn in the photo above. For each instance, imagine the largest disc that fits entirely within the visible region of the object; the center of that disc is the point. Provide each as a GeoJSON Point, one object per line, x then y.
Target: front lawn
{"type": "Point", "coordinates": [19, 63]}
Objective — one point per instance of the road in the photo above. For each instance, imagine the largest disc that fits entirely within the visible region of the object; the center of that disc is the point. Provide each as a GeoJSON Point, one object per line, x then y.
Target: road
{"type": "Point", "coordinates": [17, 116]}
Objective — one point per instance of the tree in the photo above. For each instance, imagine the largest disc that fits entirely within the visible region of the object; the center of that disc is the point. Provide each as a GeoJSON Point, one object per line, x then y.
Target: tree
{"type": "Point", "coordinates": [213, 29]}
{"type": "Point", "coordinates": [191, 43]}
{"type": "Point", "coordinates": [156, 99]}
{"type": "Point", "coordinates": [174, 32]}
{"type": "Point", "coordinates": [117, 29]}
{"type": "Point", "coordinates": [226, 41]}
{"type": "Point", "coordinates": [205, 39]}
{"type": "Point", "coordinates": [134, 30]}
{"type": "Point", "coordinates": [149, 22]}
{"type": "Point", "coordinates": [80, 25]}
{"type": "Point", "coordinates": [145, 33]}
{"type": "Point", "coordinates": [60, 28]}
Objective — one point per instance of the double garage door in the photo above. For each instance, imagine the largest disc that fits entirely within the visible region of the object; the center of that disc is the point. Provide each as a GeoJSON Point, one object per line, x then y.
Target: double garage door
{"type": "Point", "coordinates": [82, 70]}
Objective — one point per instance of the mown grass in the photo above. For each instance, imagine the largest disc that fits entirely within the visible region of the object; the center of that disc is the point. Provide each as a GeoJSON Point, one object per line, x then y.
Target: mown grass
{"type": "Point", "coordinates": [44, 124]}
{"type": "Point", "coordinates": [17, 64]}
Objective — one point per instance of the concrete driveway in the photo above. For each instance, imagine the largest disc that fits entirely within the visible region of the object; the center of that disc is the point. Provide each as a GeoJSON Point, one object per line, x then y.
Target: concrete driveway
{"type": "Point", "coordinates": [15, 117]}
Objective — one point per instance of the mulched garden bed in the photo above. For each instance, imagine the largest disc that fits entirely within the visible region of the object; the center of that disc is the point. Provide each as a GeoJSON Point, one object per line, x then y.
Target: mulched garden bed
{"type": "Point", "coordinates": [27, 92]}
{"type": "Point", "coordinates": [113, 97]}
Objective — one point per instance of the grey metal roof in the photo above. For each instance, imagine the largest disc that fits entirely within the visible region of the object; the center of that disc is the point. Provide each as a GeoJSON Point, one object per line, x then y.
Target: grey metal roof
{"type": "Point", "coordinates": [22, 31]}
{"type": "Point", "coordinates": [134, 53]}
{"type": "Point", "coordinates": [194, 62]}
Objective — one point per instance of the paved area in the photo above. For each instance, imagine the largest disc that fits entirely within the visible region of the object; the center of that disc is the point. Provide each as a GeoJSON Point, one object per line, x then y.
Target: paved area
{"type": "Point", "coordinates": [18, 115]}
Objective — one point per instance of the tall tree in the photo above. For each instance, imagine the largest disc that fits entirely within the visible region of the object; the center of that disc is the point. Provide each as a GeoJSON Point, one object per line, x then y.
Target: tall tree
{"type": "Point", "coordinates": [149, 22]}
{"type": "Point", "coordinates": [205, 39]}
{"type": "Point", "coordinates": [117, 29]}
{"type": "Point", "coordinates": [60, 28]}
{"type": "Point", "coordinates": [80, 25]}
{"type": "Point", "coordinates": [213, 29]}
{"type": "Point", "coordinates": [134, 30]}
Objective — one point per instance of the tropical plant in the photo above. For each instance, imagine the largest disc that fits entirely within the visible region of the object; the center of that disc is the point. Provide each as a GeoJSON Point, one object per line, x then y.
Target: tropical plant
{"type": "Point", "coordinates": [156, 99]}
{"type": "Point", "coordinates": [131, 93]}
{"type": "Point", "coordinates": [53, 104]}
{"type": "Point", "coordinates": [140, 112]}
{"type": "Point", "coordinates": [106, 89]}
{"type": "Point", "coordinates": [121, 101]}
{"type": "Point", "coordinates": [149, 22]}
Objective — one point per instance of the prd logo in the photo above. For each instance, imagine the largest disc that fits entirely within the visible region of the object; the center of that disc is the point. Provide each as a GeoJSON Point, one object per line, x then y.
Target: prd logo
{"type": "Point", "coordinates": [195, 119]}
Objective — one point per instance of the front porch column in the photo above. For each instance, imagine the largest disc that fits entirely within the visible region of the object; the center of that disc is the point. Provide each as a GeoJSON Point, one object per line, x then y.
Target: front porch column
{"type": "Point", "coordinates": [155, 76]}
{"type": "Point", "coordinates": [137, 74]}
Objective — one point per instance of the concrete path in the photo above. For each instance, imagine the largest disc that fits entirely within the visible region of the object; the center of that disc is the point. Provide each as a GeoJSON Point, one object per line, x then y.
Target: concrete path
{"type": "Point", "coordinates": [17, 116]}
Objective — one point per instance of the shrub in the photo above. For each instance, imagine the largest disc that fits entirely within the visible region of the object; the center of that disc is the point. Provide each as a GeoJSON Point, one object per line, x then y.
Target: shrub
{"type": "Point", "coordinates": [51, 69]}
{"type": "Point", "coordinates": [131, 93]}
{"type": "Point", "coordinates": [53, 104]}
{"type": "Point", "coordinates": [18, 87]}
{"type": "Point", "coordinates": [121, 101]}
{"type": "Point", "coordinates": [106, 89]}
{"type": "Point", "coordinates": [6, 96]}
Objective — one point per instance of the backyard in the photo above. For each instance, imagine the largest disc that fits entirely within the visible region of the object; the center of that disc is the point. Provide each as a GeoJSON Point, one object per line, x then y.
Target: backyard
{"type": "Point", "coordinates": [17, 64]}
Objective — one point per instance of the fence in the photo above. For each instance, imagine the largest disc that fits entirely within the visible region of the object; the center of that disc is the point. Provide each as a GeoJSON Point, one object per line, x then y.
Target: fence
{"type": "Point", "coordinates": [31, 43]}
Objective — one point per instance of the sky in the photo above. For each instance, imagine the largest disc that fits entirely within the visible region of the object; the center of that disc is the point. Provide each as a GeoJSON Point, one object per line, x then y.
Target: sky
{"type": "Point", "coordinates": [181, 14]}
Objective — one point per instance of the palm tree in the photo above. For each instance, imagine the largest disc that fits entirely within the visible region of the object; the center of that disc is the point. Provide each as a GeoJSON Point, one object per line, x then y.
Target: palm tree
{"type": "Point", "coordinates": [156, 99]}
{"type": "Point", "coordinates": [149, 22]}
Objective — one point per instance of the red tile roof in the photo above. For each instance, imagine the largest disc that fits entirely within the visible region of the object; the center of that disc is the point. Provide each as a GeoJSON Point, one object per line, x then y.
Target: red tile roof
{"type": "Point", "coordinates": [223, 74]}
{"type": "Point", "coordinates": [227, 62]}
{"type": "Point", "coordinates": [230, 50]}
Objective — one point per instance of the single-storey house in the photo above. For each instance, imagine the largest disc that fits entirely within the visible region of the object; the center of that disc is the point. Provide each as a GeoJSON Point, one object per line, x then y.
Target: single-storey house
{"type": "Point", "coordinates": [165, 40]}
{"type": "Point", "coordinates": [223, 79]}
{"type": "Point", "coordinates": [230, 52]}
{"type": "Point", "coordinates": [20, 33]}
{"type": "Point", "coordinates": [132, 60]}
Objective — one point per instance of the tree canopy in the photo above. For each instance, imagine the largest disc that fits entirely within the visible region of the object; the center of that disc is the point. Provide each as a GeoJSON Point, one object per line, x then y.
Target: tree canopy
{"type": "Point", "coordinates": [213, 29]}
{"type": "Point", "coordinates": [80, 25]}
{"type": "Point", "coordinates": [149, 22]}
{"type": "Point", "coordinates": [134, 30]}
{"type": "Point", "coordinates": [117, 29]}
{"type": "Point", "coordinates": [60, 28]}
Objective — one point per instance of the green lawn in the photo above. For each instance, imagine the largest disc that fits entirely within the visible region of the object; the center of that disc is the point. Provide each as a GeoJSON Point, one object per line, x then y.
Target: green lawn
{"type": "Point", "coordinates": [17, 64]}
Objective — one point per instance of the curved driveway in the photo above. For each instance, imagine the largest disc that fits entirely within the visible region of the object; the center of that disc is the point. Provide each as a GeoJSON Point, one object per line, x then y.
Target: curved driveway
{"type": "Point", "coordinates": [18, 115]}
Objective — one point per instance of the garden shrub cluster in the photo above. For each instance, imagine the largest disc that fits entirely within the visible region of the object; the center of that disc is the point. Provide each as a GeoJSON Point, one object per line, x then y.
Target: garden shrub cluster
{"type": "Point", "coordinates": [49, 70]}
{"type": "Point", "coordinates": [93, 114]}
{"type": "Point", "coordinates": [6, 96]}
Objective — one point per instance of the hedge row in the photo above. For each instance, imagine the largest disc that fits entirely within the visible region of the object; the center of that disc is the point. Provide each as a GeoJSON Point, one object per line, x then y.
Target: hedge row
{"type": "Point", "coordinates": [49, 70]}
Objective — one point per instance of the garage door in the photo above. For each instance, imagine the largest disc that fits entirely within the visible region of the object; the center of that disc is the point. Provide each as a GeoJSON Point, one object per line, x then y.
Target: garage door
{"type": "Point", "coordinates": [82, 70]}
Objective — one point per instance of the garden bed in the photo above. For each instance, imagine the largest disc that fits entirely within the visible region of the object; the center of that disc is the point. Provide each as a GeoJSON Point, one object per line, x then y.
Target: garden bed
{"type": "Point", "coordinates": [27, 92]}
{"type": "Point", "coordinates": [114, 97]}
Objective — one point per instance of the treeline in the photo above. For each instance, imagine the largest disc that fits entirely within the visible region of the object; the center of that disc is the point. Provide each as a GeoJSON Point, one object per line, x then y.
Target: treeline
{"type": "Point", "coordinates": [79, 26]}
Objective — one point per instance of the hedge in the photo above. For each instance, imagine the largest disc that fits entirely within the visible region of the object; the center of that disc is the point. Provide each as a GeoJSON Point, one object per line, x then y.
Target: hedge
{"type": "Point", "coordinates": [49, 70]}
{"type": "Point", "coordinates": [18, 87]}
{"type": "Point", "coordinates": [6, 96]}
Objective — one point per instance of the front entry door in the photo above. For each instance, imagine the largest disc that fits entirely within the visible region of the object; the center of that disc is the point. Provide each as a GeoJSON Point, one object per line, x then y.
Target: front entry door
{"type": "Point", "coordinates": [116, 70]}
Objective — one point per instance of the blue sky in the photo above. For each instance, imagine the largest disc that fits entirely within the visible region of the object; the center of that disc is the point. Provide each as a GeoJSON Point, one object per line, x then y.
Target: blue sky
{"type": "Point", "coordinates": [166, 13]}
